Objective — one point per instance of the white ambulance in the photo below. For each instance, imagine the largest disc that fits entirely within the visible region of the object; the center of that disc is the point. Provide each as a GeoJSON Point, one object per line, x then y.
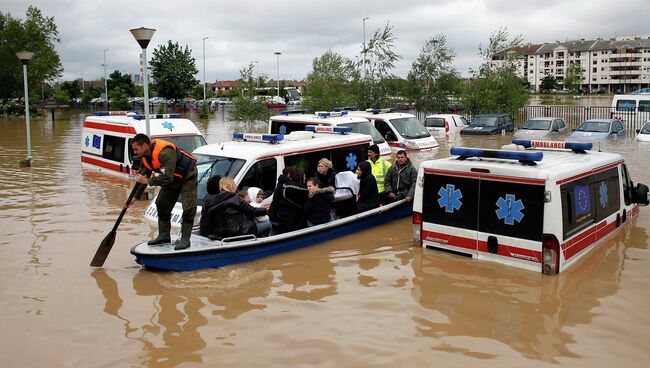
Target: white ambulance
{"type": "Point", "coordinates": [106, 138]}
{"type": "Point", "coordinates": [401, 131]}
{"type": "Point", "coordinates": [538, 205]}
{"type": "Point", "coordinates": [292, 120]}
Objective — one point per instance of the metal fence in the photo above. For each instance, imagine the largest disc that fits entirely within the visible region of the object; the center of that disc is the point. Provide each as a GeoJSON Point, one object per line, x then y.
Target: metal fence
{"type": "Point", "coordinates": [572, 115]}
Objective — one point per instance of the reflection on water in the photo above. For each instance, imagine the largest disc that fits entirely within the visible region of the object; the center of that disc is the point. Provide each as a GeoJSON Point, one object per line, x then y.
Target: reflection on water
{"type": "Point", "coordinates": [366, 299]}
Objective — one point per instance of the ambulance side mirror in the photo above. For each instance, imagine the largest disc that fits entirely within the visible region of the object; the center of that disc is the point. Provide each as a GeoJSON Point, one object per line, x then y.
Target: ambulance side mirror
{"type": "Point", "coordinates": [641, 195]}
{"type": "Point", "coordinates": [637, 131]}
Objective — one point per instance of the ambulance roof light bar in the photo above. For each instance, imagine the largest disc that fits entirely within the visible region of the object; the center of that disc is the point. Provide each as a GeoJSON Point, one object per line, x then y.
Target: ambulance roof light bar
{"type": "Point", "coordinates": [326, 114]}
{"type": "Point", "coordinates": [256, 137]}
{"type": "Point", "coordinates": [328, 129]}
{"type": "Point", "coordinates": [527, 158]}
{"type": "Point", "coordinates": [379, 111]}
{"type": "Point", "coordinates": [577, 147]}
{"type": "Point", "coordinates": [157, 116]}
{"type": "Point", "coordinates": [114, 113]}
{"type": "Point", "coordinates": [350, 108]}
{"type": "Point", "coordinates": [292, 112]}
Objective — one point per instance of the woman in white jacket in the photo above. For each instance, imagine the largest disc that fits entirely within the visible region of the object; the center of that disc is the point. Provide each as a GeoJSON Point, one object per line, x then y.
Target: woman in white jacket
{"type": "Point", "coordinates": [263, 223]}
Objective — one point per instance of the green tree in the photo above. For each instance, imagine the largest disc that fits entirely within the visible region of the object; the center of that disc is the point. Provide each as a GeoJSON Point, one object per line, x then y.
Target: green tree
{"type": "Point", "coordinates": [246, 108]}
{"type": "Point", "coordinates": [432, 76]}
{"type": "Point", "coordinates": [173, 69]}
{"type": "Point", "coordinates": [119, 99]}
{"type": "Point", "coordinates": [328, 82]}
{"type": "Point", "coordinates": [197, 92]}
{"type": "Point", "coordinates": [89, 94]}
{"type": "Point", "coordinates": [548, 84]}
{"type": "Point", "coordinates": [61, 95]}
{"type": "Point", "coordinates": [496, 87]}
{"type": "Point", "coordinates": [574, 77]}
{"type": "Point", "coordinates": [72, 87]}
{"type": "Point", "coordinates": [121, 81]}
{"type": "Point", "coordinates": [37, 34]}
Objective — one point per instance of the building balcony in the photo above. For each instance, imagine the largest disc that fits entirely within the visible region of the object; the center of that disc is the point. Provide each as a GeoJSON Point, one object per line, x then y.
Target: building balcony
{"type": "Point", "coordinates": [624, 72]}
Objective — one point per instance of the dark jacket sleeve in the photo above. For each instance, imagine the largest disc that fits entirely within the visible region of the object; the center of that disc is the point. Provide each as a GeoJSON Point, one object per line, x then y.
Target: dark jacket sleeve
{"type": "Point", "coordinates": [366, 191]}
{"type": "Point", "coordinates": [252, 211]}
{"type": "Point", "coordinates": [414, 179]}
{"type": "Point", "coordinates": [309, 207]}
{"type": "Point", "coordinates": [388, 179]}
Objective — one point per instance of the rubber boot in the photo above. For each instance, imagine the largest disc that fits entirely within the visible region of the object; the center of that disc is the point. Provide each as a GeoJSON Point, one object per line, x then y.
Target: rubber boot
{"type": "Point", "coordinates": [184, 241]}
{"type": "Point", "coordinates": [163, 234]}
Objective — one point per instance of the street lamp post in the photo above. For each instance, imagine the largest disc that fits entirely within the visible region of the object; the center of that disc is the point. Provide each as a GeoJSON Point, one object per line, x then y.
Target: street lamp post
{"type": "Point", "coordinates": [143, 36]}
{"type": "Point", "coordinates": [105, 80]}
{"type": "Point", "coordinates": [204, 81]}
{"type": "Point", "coordinates": [364, 47]}
{"type": "Point", "coordinates": [257, 74]}
{"type": "Point", "coordinates": [24, 57]}
{"type": "Point", "coordinates": [83, 83]}
{"type": "Point", "coordinates": [277, 54]}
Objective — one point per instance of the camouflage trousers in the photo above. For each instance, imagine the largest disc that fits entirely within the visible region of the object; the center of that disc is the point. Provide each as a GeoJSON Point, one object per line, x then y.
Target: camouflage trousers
{"type": "Point", "coordinates": [168, 196]}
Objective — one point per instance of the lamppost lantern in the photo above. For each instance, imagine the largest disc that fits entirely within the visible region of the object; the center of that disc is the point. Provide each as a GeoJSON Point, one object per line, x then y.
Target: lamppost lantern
{"type": "Point", "coordinates": [24, 57]}
{"type": "Point", "coordinates": [143, 36]}
{"type": "Point", "coordinates": [277, 54]}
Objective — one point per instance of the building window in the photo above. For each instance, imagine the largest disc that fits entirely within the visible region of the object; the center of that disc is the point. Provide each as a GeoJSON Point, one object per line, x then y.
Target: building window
{"type": "Point", "coordinates": [594, 70]}
{"type": "Point", "coordinates": [595, 62]}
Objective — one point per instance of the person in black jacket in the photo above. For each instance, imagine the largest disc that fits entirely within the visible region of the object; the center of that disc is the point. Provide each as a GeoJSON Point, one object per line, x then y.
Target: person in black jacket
{"type": "Point", "coordinates": [208, 224]}
{"type": "Point", "coordinates": [325, 173]}
{"type": "Point", "coordinates": [234, 216]}
{"type": "Point", "coordinates": [318, 208]}
{"type": "Point", "coordinates": [289, 197]}
{"type": "Point", "coordinates": [368, 197]}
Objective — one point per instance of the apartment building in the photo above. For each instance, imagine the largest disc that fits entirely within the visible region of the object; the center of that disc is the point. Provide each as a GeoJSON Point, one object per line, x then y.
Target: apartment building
{"type": "Point", "coordinates": [618, 65]}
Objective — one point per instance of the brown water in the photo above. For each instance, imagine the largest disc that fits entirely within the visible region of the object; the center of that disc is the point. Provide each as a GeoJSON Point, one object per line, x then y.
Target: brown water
{"type": "Point", "coordinates": [370, 299]}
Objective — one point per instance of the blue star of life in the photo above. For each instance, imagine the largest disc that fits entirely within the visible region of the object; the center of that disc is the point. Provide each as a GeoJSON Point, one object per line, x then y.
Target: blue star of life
{"type": "Point", "coordinates": [450, 198]}
{"type": "Point", "coordinates": [283, 129]}
{"type": "Point", "coordinates": [603, 194]}
{"type": "Point", "coordinates": [87, 141]}
{"type": "Point", "coordinates": [168, 125]}
{"type": "Point", "coordinates": [351, 161]}
{"type": "Point", "coordinates": [509, 209]}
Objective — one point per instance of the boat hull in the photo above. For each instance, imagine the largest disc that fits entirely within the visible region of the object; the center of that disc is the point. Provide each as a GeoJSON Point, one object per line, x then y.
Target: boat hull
{"type": "Point", "coordinates": [221, 255]}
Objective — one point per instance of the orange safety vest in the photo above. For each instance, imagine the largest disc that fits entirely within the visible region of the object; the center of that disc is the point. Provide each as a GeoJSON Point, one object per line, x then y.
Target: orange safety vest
{"type": "Point", "coordinates": [185, 163]}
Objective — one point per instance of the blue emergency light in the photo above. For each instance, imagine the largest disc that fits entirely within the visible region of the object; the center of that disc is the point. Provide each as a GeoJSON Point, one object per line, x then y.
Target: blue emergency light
{"type": "Point", "coordinates": [379, 111]}
{"type": "Point", "coordinates": [112, 113]}
{"type": "Point", "coordinates": [524, 157]}
{"type": "Point", "coordinates": [256, 137]}
{"type": "Point", "coordinates": [292, 112]}
{"type": "Point", "coordinates": [157, 116]}
{"type": "Point", "coordinates": [328, 129]}
{"type": "Point", "coordinates": [577, 147]}
{"type": "Point", "coordinates": [337, 109]}
{"type": "Point", "coordinates": [326, 114]}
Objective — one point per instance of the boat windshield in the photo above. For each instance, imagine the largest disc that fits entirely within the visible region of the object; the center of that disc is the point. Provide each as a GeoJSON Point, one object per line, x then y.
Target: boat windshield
{"type": "Point", "coordinates": [209, 166]}
{"type": "Point", "coordinates": [646, 129]}
{"type": "Point", "coordinates": [367, 129]}
{"type": "Point", "coordinates": [594, 126]}
{"type": "Point", "coordinates": [410, 128]}
{"type": "Point", "coordinates": [484, 120]}
{"type": "Point", "coordinates": [537, 125]}
{"type": "Point", "coordinates": [187, 143]}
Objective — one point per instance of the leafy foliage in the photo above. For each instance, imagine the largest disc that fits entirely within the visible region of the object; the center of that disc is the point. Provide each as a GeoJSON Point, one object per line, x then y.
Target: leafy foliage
{"type": "Point", "coordinates": [61, 95]}
{"type": "Point", "coordinates": [328, 82]}
{"type": "Point", "coordinates": [37, 34]}
{"type": "Point", "coordinates": [72, 88]}
{"type": "Point", "coordinates": [173, 69]}
{"type": "Point", "coordinates": [119, 99]}
{"type": "Point", "coordinates": [246, 108]}
{"type": "Point", "coordinates": [573, 78]}
{"type": "Point", "coordinates": [548, 83]}
{"type": "Point", "coordinates": [121, 81]}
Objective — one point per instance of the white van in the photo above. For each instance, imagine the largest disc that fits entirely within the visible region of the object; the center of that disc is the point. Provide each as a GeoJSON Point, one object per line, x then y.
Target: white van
{"type": "Point", "coordinates": [538, 205]}
{"type": "Point", "coordinates": [292, 120]}
{"type": "Point", "coordinates": [632, 110]}
{"type": "Point", "coordinates": [445, 124]}
{"type": "Point", "coordinates": [106, 138]}
{"type": "Point", "coordinates": [401, 131]}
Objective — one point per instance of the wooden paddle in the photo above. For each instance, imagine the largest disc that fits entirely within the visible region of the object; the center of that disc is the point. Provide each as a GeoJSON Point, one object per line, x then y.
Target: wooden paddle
{"type": "Point", "coordinates": [109, 240]}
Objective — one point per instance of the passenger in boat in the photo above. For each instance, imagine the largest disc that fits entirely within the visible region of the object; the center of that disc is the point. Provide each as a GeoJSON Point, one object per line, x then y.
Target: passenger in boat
{"type": "Point", "coordinates": [318, 208]}
{"type": "Point", "coordinates": [256, 196]}
{"type": "Point", "coordinates": [234, 216]}
{"type": "Point", "coordinates": [208, 223]}
{"type": "Point", "coordinates": [400, 180]}
{"type": "Point", "coordinates": [325, 173]}
{"type": "Point", "coordinates": [378, 165]}
{"type": "Point", "coordinates": [289, 199]}
{"type": "Point", "coordinates": [368, 197]}
{"type": "Point", "coordinates": [244, 195]}
{"type": "Point", "coordinates": [176, 178]}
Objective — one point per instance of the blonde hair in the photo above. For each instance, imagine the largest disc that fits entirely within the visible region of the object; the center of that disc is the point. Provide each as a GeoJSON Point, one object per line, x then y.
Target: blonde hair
{"type": "Point", "coordinates": [325, 162]}
{"type": "Point", "coordinates": [226, 184]}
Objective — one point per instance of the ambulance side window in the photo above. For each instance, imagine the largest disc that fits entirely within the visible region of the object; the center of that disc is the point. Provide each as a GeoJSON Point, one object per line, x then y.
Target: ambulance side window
{"type": "Point", "coordinates": [606, 190]}
{"type": "Point", "coordinates": [134, 160]}
{"type": "Point", "coordinates": [276, 127]}
{"type": "Point", "coordinates": [347, 158]}
{"type": "Point", "coordinates": [385, 131]}
{"type": "Point", "coordinates": [306, 162]}
{"type": "Point", "coordinates": [262, 174]}
{"type": "Point", "coordinates": [578, 205]}
{"type": "Point", "coordinates": [628, 186]}
{"type": "Point", "coordinates": [113, 148]}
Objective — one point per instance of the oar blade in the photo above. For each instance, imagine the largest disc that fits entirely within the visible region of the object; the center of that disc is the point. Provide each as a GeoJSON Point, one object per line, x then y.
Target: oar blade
{"type": "Point", "coordinates": [103, 250]}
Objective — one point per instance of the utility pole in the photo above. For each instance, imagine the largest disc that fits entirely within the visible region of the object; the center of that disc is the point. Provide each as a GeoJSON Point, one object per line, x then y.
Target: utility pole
{"type": "Point", "coordinates": [105, 80]}
{"type": "Point", "coordinates": [278, 53]}
{"type": "Point", "coordinates": [204, 81]}
{"type": "Point", "coordinates": [364, 47]}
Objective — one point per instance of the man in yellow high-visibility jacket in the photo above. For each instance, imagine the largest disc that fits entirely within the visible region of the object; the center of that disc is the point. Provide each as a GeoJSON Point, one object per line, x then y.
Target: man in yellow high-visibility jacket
{"type": "Point", "coordinates": [379, 166]}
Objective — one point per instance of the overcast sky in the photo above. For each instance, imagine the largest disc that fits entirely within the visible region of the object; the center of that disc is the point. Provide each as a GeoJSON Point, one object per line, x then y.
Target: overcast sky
{"type": "Point", "coordinates": [242, 31]}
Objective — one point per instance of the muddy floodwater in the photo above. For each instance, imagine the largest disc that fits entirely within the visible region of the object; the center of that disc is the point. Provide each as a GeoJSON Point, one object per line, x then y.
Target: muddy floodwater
{"type": "Point", "coordinates": [371, 299]}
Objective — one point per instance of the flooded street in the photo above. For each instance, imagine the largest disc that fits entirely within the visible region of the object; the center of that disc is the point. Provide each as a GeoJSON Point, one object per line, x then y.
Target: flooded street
{"type": "Point", "coordinates": [369, 299]}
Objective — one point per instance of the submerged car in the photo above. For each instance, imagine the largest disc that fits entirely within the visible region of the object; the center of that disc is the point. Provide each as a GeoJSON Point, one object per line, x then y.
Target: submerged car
{"type": "Point", "coordinates": [596, 129]}
{"type": "Point", "coordinates": [543, 127]}
{"type": "Point", "coordinates": [441, 124]}
{"type": "Point", "coordinates": [643, 134]}
{"type": "Point", "coordinates": [489, 124]}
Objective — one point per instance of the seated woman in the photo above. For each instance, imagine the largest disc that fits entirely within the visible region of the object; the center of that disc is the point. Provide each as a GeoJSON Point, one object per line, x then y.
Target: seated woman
{"type": "Point", "coordinates": [256, 196]}
{"type": "Point", "coordinates": [325, 173]}
{"type": "Point", "coordinates": [318, 208]}
{"type": "Point", "coordinates": [289, 198]}
{"type": "Point", "coordinates": [234, 216]}
{"type": "Point", "coordinates": [208, 223]}
{"type": "Point", "coordinates": [368, 197]}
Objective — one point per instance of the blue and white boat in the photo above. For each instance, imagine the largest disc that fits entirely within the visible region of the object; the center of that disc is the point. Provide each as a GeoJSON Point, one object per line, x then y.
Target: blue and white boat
{"type": "Point", "coordinates": [256, 160]}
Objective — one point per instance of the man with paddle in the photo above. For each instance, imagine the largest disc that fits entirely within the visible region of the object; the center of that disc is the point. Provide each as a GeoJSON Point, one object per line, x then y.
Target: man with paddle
{"type": "Point", "coordinates": [176, 176]}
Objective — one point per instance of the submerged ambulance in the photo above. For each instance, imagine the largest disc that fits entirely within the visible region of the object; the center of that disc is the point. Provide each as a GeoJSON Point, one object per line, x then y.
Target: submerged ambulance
{"type": "Point", "coordinates": [537, 205]}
